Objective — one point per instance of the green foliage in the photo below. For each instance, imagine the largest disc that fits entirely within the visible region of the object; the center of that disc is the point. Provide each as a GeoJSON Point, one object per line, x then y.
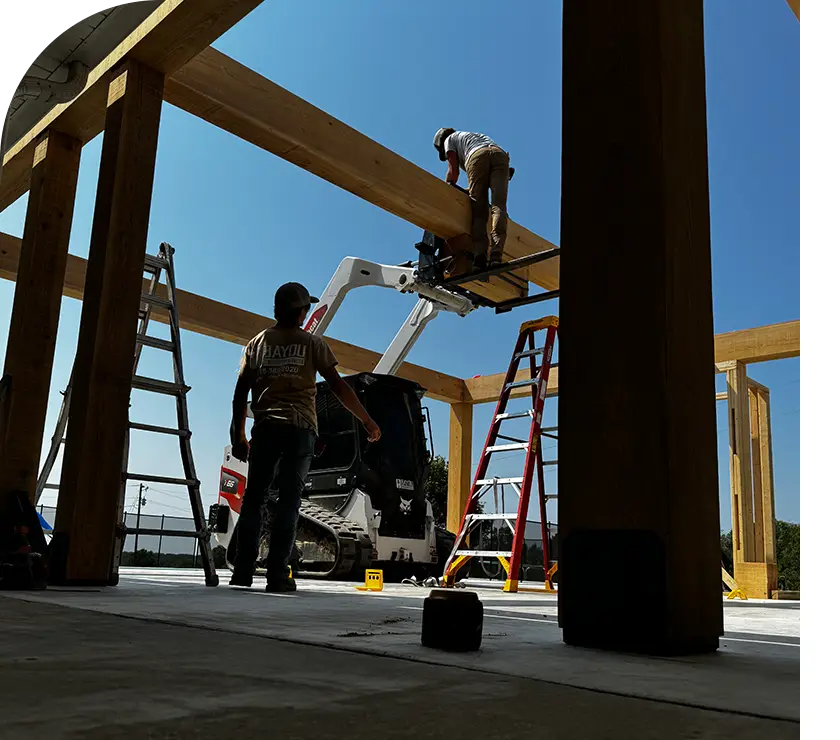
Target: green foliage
{"type": "Point", "coordinates": [787, 554]}
{"type": "Point", "coordinates": [437, 484]}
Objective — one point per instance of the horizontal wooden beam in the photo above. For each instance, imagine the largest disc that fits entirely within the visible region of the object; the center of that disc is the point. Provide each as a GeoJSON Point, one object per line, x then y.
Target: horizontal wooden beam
{"type": "Point", "coordinates": [761, 344]}
{"type": "Point", "coordinates": [221, 321]}
{"type": "Point", "coordinates": [173, 34]}
{"type": "Point", "coordinates": [233, 97]}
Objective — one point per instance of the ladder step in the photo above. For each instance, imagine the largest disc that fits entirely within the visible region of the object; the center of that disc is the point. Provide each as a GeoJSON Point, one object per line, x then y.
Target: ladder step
{"type": "Point", "coordinates": [492, 517]}
{"type": "Point", "coordinates": [491, 481]}
{"type": "Point", "coordinates": [161, 479]}
{"type": "Point", "coordinates": [506, 448]}
{"type": "Point", "coordinates": [148, 341]}
{"type": "Point", "coordinates": [143, 383]}
{"type": "Point", "coordinates": [153, 263]}
{"type": "Point", "coordinates": [156, 300]}
{"type": "Point", "coordinates": [159, 430]}
{"type": "Point", "coordinates": [529, 353]}
{"type": "Point", "coordinates": [522, 383]}
{"type": "Point", "coordinates": [485, 553]}
{"type": "Point", "coordinates": [514, 415]}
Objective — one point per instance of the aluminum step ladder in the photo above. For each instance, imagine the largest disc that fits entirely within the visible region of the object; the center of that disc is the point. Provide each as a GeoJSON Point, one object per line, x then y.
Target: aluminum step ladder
{"type": "Point", "coordinates": [160, 298]}
{"type": "Point", "coordinates": [539, 367]}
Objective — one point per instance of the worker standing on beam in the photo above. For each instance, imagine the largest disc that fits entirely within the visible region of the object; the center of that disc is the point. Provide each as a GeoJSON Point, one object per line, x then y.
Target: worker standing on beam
{"type": "Point", "coordinates": [488, 168]}
{"type": "Point", "coordinates": [278, 369]}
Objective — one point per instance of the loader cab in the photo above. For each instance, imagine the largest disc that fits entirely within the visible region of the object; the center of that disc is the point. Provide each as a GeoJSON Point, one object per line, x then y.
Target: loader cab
{"type": "Point", "coordinates": [391, 471]}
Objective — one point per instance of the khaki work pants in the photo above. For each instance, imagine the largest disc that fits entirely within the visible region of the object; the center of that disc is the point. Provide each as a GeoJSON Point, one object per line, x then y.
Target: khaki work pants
{"type": "Point", "coordinates": [489, 169]}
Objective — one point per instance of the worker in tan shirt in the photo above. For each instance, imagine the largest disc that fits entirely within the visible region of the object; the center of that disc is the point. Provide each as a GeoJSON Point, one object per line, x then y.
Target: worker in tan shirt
{"type": "Point", "coordinates": [488, 169]}
{"type": "Point", "coordinates": [278, 370]}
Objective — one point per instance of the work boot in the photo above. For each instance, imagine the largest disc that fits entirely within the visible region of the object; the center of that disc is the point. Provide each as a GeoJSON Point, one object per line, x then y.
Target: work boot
{"type": "Point", "coordinates": [245, 580]}
{"type": "Point", "coordinates": [280, 585]}
{"type": "Point", "coordinates": [495, 260]}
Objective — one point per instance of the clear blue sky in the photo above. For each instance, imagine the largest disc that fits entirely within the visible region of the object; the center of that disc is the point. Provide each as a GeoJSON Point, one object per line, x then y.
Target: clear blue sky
{"type": "Point", "coordinates": [244, 221]}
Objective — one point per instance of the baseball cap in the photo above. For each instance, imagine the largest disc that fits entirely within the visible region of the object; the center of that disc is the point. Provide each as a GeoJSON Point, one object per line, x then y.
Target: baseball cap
{"type": "Point", "coordinates": [293, 295]}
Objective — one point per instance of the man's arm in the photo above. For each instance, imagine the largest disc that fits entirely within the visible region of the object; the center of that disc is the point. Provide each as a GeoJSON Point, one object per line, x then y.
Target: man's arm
{"type": "Point", "coordinates": [351, 402]}
{"type": "Point", "coordinates": [453, 171]}
{"type": "Point", "coordinates": [238, 438]}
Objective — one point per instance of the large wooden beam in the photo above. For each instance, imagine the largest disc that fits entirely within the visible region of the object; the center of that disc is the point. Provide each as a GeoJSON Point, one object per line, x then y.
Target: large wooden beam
{"type": "Point", "coordinates": [34, 325]}
{"type": "Point", "coordinates": [224, 92]}
{"type": "Point", "coordinates": [221, 321]}
{"type": "Point", "coordinates": [90, 504]}
{"type": "Point", "coordinates": [740, 466]}
{"type": "Point", "coordinates": [639, 515]}
{"type": "Point", "coordinates": [460, 463]}
{"type": "Point", "coordinates": [173, 34]}
{"type": "Point", "coordinates": [761, 344]}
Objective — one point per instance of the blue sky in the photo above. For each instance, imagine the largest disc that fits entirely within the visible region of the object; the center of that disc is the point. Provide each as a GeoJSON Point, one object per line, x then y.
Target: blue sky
{"type": "Point", "coordinates": [243, 221]}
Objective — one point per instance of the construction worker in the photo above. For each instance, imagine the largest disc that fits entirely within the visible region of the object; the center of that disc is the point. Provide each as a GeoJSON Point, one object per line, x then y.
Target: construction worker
{"type": "Point", "coordinates": [278, 369]}
{"type": "Point", "coordinates": [488, 168]}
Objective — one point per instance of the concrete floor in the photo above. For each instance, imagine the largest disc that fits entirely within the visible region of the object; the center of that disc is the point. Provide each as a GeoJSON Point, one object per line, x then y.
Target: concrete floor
{"type": "Point", "coordinates": [330, 661]}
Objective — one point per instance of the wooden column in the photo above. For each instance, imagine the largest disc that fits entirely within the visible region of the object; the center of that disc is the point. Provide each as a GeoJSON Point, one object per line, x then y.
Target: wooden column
{"type": "Point", "coordinates": [755, 469]}
{"type": "Point", "coordinates": [460, 463]}
{"type": "Point", "coordinates": [638, 508]}
{"type": "Point", "coordinates": [89, 502]}
{"type": "Point", "coordinates": [768, 494]}
{"type": "Point", "coordinates": [740, 468]}
{"type": "Point", "coordinates": [38, 291]}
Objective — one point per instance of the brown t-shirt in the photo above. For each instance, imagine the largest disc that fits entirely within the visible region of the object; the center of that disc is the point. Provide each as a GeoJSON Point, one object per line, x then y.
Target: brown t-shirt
{"type": "Point", "coordinates": [280, 364]}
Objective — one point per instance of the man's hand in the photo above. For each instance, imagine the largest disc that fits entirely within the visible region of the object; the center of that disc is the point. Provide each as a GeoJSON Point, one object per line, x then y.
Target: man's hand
{"type": "Point", "coordinates": [241, 449]}
{"type": "Point", "coordinates": [373, 431]}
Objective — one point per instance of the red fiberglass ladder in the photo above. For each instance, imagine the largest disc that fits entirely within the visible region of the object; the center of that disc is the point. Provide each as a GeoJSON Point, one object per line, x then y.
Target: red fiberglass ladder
{"type": "Point", "coordinates": [483, 484]}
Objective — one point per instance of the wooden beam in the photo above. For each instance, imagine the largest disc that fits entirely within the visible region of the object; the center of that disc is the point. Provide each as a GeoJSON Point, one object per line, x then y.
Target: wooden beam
{"type": "Point", "coordinates": [755, 469]}
{"type": "Point", "coordinates": [740, 471]}
{"type": "Point", "coordinates": [90, 502]}
{"type": "Point", "coordinates": [460, 463]}
{"type": "Point", "coordinates": [765, 461]}
{"type": "Point", "coordinates": [172, 35]}
{"type": "Point", "coordinates": [761, 344]}
{"type": "Point", "coordinates": [221, 321]}
{"type": "Point", "coordinates": [637, 470]}
{"type": "Point", "coordinates": [233, 97]}
{"type": "Point", "coordinates": [34, 325]}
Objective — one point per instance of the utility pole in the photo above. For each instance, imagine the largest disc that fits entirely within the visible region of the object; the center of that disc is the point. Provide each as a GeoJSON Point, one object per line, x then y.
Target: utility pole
{"type": "Point", "coordinates": [141, 502]}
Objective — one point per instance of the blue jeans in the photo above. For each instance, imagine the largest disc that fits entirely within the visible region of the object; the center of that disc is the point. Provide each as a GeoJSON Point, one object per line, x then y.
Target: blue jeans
{"type": "Point", "coordinates": [277, 468]}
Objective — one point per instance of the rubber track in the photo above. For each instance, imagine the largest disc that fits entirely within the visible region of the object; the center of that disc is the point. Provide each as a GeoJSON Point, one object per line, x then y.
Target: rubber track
{"type": "Point", "coordinates": [355, 547]}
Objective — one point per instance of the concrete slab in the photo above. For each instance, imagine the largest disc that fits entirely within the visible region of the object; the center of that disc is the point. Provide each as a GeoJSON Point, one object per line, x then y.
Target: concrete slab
{"type": "Point", "coordinates": [756, 671]}
{"type": "Point", "coordinates": [73, 674]}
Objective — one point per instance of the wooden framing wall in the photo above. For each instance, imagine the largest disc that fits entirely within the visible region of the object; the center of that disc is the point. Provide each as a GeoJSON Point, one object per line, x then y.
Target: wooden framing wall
{"type": "Point", "coordinates": [173, 43]}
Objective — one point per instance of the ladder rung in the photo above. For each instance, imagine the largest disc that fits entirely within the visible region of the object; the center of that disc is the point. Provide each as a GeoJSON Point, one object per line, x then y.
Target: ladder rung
{"type": "Point", "coordinates": [156, 300]}
{"type": "Point", "coordinates": [522, 383]}
{"type": "Point", "coordinates": [153, 263]}
{"type": "Point", "coordinates": [159, 430]}
{"type": "Point", "coordinates": [515, 415]}
{"type": "Point", "coordinates": [529, 353]}
{"type": "Point", "coordinates": [485, 553]}
{"type": "Point", "coordinates": [161, 479]}
{"type": "Point", "coordinates": [52, 486]}
{"type": "Point", "coordinates": [491, 517]}
{"type": "Point", "coordinates": [148, 341]}
{"type": "Point", "coordinates": [506, 448]}
{"type": "Point", "coordinates": [143, 383]}
{"type": "Point", "coordinates": [491, 481]}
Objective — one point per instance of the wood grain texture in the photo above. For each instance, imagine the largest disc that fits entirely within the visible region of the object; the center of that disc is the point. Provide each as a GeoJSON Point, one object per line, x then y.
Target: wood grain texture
{"type": "Point", "coordinates": [740, 470]}
{"type": "Point", "coordinates": [460, 463]}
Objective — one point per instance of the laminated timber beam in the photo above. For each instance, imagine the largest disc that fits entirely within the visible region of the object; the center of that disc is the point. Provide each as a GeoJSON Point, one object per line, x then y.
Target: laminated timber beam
{"type": "Point", "coordinates": [233, 97]}
{"type": "Point", "coordinates": [761, 344]}
{"type": "Point", "coordinates": [173, 34]}
{"type": "Point", "coordinates": [221, 321]}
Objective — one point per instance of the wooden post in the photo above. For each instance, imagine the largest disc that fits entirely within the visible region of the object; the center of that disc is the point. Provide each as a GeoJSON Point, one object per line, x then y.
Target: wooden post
{"type": "Point", "coordinates": [89, 502]}
{"type": "Point", "coordinates": [740, 470]}
{"type": "Point", "coordinates": [460, 463]}
{"type": "Point", "coordinates": [755, 469]}
{"type": "Point", "coordinates": [768, 494]}
{"type": "Point", "coordinates": [638, 509]}
{"type": "Point", "coordinates": [34, 325]}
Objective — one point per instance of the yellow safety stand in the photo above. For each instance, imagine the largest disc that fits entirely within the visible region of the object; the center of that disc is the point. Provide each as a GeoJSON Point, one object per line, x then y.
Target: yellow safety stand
{"type": "Point", "coordinates": [373, 581]}
{"type": "Point", "coordinates": [737, 593]}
